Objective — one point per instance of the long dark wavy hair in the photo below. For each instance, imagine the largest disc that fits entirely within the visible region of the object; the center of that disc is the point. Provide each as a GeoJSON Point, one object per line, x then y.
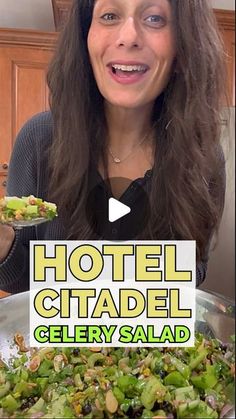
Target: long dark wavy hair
{"type": "Point", "coordinates": [187, 193]}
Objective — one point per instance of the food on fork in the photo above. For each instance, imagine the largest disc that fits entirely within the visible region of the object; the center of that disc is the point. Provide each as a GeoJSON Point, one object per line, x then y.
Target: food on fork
{"type": "Point", "coordinates": [27, 208]}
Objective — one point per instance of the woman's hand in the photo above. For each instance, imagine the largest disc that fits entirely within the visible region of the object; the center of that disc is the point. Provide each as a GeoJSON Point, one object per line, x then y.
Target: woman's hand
{"type": "Point", "coordinates": [7, 236]}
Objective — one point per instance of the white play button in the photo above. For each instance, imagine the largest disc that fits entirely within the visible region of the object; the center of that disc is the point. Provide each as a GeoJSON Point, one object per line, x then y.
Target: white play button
{"type": "Point", "coordinates": [117, 210]}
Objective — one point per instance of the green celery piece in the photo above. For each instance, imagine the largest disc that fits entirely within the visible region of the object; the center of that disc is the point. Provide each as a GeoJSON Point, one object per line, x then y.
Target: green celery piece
{"type": "Point", "coordinates": [12, 377]}
{"type": "Point", "coordinates": [199, 410]}
{"type": "Point", "coordinates": [95, 358]}
{"type": "Point", "coordinates": [181, 367]}
{"type": "Point", "coordinates": [157, 365]}
{"type": "Point", "coordinates": [175, 379]}
{"type": "Point", "coordinates": [126, 383]}
{"type": "Point", "coordinates": [39, 406]}
{"type": "Point", "coordinates": [207, 379]}
{"type": "Point", "coordinates": [32, 209]}
{"type": "Point", "coordinates": [50, 214]}
{"type": "Point", "coordinates": [120, 397]}
{"type": "Point", "coordinates": [51, 206]}
{"type": "Point", "coordinates": [23, 389]}
{"type": "Point", "coordinates": [44, 351]}
{"type": "Point", "coordinates": [68, 412]}
{"type": "Point", "coordinates": [188, 408]}
{"type": "Point", "coordinates": [136, 402]}
{"type": "Point", "coordinates": [66, 351]}
{"type": "Point", "coordinates": [78, 382]}
{"type": "Point", "coordinates": [203, 382]}
{"type": "Point", "coordinates": [58, 406]}
{"type": "Point", "coordinates": [150, 392]}
{"type": "Point", "coordinates": [198, 359]}
{"type": "Point", "coordinates": [15, 204]}
{"type": "Point", "coordinates": [17, 363]}
{"type": "Point", "coordinates": [76, 360]}
{"type": "Point", "coordinates": [4, 388]}
{"type": "Point", "coordinates": [126, 405]}
{"type": "Point", "coordinates": [90, 392]}
{"type": "Point", "coordinates": [147, 414]}
{"type": "Point", "coordinates": [54, 377]}
{"type": "Point", "coordinates": [192, 405]}
{"type": "Point", "coordinates": [182, 409]}
{"type": "Point", "coordinates": [219, 388]}
{"type": "Point", "coordinates": [185, 393]}
{"type": "Point", "coordinates": [85, 351]}
{"type": "Point", "coordinates": [160, 413]}
{"type": "Point", "coordinates": [140, 385]}
{"type": "Point", "coordinates": [20, 361]}
{"type": "Point", "coordinates": [42, 383]}
{"type": "Point", "coordinates": [81, 369]}
{"type": "Point", "coordinates": [110, 371]}
{"type": "Point", "coordinates": [67, 371]}
{"type": "Point", "coordinates": [9, 403]}
{"type": "Point", "coordinates": [230, 392]}
{"type": "Point", "coordinates": [45, 368]}
{"type": "Point", "coordinates": [24, 374]}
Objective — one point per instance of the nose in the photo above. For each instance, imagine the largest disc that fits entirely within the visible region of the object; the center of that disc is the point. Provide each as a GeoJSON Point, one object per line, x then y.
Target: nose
{"type": "Point", "coordinates": [129, 34]}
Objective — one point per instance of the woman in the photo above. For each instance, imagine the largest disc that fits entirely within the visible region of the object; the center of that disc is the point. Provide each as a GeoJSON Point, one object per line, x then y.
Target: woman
{"type": "Point", "coordinates": [135, 91]}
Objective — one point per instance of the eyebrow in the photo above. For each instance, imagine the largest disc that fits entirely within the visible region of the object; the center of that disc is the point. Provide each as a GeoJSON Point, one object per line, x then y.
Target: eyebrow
{"type": "Point", "coordinates": [149, 4]}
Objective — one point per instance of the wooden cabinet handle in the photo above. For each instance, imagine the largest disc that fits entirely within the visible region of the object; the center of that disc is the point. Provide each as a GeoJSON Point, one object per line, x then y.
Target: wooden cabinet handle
{"type": "Point", "coordinates": [4, 183]}
{"type": "Point", "coordinates": [4, 294]}
{"type": "Point", "coordinates": [5, 166]}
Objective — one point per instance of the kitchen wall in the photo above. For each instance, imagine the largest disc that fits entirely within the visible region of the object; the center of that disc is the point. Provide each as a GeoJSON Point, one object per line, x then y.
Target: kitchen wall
{"type": "Point", "coordinates": [30, 14]}
{"type": "Point", "coordinates": [223, 4]}
{"type": "Point", "coordinates": [221, 268]}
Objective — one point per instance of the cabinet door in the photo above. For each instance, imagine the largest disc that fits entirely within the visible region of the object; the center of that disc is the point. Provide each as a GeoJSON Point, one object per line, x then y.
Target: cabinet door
{"type": "Point", "coordinates": [226, 24]}
{"type": "Point", "coordinates": [23, 90]}
{"type": "Point", "coordinates": [229, 42]}
{"type": "Point", "coordinates": [3, 183]}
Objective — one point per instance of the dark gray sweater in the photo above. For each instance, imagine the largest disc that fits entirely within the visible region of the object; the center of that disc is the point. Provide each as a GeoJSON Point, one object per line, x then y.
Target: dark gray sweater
{"type": "Point", "coordinates": [28, 175]}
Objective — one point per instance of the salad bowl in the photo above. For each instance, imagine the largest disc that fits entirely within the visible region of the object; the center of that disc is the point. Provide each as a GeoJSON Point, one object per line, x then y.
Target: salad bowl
{"type": "Point", "coordinates": [215, 319]}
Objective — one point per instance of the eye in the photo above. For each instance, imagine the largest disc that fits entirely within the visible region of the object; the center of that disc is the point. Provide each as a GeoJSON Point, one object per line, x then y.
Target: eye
{"type": "Point", "coordinates": [156, 21]}
{"type": "Point", "coordinates": [109, 17]}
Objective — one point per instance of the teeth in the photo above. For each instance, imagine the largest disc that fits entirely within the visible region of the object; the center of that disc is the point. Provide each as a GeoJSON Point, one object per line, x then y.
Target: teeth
{"type": "Point", "coordinates": [128, 67]}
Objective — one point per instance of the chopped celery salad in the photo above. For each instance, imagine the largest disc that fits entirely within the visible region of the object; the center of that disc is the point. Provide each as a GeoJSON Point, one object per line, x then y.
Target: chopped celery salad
{"type": "Point", "coordinates": [196, 382]}
{"type": "Point", "coordinates": [27, 208]}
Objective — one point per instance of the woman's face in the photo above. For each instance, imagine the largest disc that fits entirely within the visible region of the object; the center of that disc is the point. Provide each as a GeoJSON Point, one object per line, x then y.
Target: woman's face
{"type": "Point", "coordinates": [132, 48]}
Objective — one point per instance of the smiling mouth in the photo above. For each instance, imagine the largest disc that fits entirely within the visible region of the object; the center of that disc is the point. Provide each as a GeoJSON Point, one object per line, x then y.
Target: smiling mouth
{"type": "Point", "coordinates": [128, 70]}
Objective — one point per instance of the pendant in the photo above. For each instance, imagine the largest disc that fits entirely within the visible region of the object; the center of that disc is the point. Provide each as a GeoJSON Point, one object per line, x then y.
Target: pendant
{"type": "Point", "coordinates": [116, 160]}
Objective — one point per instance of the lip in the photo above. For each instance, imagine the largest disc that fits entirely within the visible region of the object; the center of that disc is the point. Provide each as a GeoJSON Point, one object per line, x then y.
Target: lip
{"type": "Point", "coordinates": [131, 79]}
{"type": "Point", "coordinates": [125, 62]}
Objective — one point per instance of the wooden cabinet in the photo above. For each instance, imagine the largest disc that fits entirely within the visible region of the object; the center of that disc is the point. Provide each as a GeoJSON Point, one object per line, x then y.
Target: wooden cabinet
{"type": "Point", "coordinates": [24, 58]}
{"type": "Point", "coordinates": [61, 10]}
{"type": "Point", "coordinates": [226, 23]}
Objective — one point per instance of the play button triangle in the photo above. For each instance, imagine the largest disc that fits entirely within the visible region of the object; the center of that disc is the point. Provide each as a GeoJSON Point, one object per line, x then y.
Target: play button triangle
{"type": "Point", "coordinates": [117, 210]}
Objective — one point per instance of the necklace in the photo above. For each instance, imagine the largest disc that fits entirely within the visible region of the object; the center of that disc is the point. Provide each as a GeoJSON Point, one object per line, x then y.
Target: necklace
{"type": "Point", "coordinates": [117, 160]}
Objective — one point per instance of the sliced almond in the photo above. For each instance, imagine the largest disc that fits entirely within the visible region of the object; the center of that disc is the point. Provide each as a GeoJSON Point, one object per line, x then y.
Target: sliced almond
{"type": "Point", "coordinates": [34, 363]}
{"type": "Point", "coordinates": [19, 340]}
{"type": "Point", "coordinates": [59, 362]}
{"type": "Point", "coordinates": [98, 405]}
{"type": "Point", "coordinates": [111, 402]}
